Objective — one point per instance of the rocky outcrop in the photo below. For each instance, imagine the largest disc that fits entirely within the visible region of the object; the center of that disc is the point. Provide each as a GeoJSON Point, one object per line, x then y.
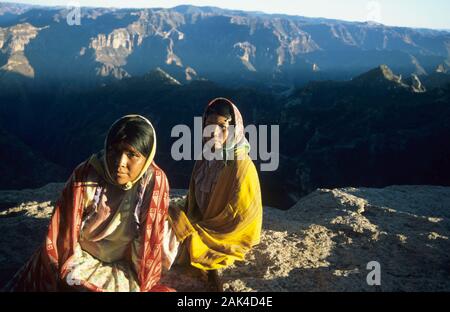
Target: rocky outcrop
{"type": "Point", "coordinates": [323, 243]}
{"type": "Point", "coordinates": [13, 41]}
{"type": "Point", "coordinates": [416, 85]}
{"type": "Point", "coordinates": [381, 76]}
{"type": "Point", "coordinates": [113, 49]}
{"type": "Point", "coordinates": [159, 76]}
{"type": "Point", "coordinates": [443, 68]}
{"type": "Point", "coordinates": [384, 77]}
{"type": "Point", "coordinates": [248, 52]}
{"type": "Point", "coordinates": [190, 73]}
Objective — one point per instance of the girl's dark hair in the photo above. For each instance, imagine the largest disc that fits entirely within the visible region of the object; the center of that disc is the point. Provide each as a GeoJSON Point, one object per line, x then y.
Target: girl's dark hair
{"type": "Point", "coordinates": [134, 131]}
{"type": "Point", "coordinates": [221, 107]}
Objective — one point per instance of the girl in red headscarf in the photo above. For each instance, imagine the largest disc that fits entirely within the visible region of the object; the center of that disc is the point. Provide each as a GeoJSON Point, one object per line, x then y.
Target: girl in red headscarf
{"type": "Point", "coordinates": [109, 229]}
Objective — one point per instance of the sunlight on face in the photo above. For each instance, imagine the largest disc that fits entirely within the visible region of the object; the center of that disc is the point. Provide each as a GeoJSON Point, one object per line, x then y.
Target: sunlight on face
{"type": "Point", "coordinates": [125, 163]}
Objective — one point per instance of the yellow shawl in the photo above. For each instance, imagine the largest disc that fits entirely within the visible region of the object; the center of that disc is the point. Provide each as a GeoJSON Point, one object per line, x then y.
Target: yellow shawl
{"type": "Point", "coordinates": [231, 223]}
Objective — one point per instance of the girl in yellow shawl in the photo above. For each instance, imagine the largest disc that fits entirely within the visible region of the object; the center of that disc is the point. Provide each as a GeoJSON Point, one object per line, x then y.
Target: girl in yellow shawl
{"type": "Point", "coordinates": [222, 217]}
{"type": "Point", "coordinates": [109, 229]}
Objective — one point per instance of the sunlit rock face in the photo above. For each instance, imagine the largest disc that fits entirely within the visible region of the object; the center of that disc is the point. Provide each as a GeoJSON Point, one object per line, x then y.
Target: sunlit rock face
{"type": "Point", "coordinates": [13, 41]}
{"type": "Point", "coordinates": [113, 49]}
{"type": "Point", "coordinates": [216, 44]}
{"type": "Point", "coordinates": [323, 243]}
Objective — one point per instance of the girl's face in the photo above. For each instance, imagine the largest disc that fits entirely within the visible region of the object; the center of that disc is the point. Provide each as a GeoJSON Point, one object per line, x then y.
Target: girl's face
{"type": "Point", "coordinates": [220, 129]}
{"type": "Point", "coordinates": [125, 163]}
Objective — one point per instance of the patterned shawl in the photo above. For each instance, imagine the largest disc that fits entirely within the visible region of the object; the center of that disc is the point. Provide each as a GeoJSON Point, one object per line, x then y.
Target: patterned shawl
{"type": "Point", "coordinates": [49, 266]}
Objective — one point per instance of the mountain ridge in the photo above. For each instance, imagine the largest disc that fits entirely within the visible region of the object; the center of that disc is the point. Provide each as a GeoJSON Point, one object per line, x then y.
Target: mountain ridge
{"type": "Point", "coordinates": [339, 128]}
{"type": "Point", "coordinates": [191, 43]}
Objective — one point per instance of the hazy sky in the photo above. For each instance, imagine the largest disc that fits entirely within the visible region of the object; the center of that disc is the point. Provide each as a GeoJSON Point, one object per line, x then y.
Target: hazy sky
{"type": "Point", "coordinates": [411, 13]}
